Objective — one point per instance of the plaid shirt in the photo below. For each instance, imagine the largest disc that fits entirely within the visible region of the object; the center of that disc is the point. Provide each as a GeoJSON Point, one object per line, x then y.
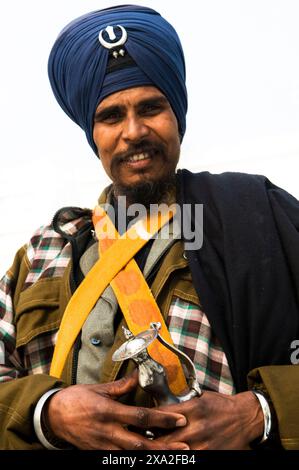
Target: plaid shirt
{"type": "Point", "coordinates": [48, 254]}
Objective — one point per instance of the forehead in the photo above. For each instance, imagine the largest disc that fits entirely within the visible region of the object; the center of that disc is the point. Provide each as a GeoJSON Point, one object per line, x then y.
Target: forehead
{"type": "Point", "coordinates": [131, 96]}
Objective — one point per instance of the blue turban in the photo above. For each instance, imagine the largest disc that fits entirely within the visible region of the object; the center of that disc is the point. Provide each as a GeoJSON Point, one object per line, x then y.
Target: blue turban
{"type": "Point", "coordinates": [79, 64]}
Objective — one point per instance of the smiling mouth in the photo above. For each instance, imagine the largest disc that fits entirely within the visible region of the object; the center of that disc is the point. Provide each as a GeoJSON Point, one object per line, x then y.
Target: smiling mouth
{"type": "Point", "coordinates": [138, 157]}
{"type": "Point", "coordinates": [139, 161]}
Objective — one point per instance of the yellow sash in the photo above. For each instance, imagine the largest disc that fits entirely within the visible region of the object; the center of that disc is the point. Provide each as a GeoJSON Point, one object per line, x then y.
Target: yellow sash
{"type": "Point", "coordinates": [116, 267]}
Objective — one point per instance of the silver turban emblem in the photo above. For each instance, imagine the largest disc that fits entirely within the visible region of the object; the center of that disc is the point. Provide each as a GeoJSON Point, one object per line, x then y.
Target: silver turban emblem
{"type": "Point", "coordinates": [112, 44]}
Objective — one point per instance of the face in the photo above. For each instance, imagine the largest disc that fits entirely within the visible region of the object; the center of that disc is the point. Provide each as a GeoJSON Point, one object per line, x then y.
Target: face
{"type": "Point", "coordinates": [136, 133]}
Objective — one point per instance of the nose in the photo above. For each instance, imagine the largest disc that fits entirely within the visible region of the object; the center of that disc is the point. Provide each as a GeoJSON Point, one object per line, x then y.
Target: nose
{"type": "Point", "coordinates": [134, 129]}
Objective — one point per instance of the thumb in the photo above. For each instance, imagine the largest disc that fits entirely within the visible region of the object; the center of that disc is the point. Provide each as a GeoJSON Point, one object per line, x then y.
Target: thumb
{"type": "Point", "coordinates": [123, 385]}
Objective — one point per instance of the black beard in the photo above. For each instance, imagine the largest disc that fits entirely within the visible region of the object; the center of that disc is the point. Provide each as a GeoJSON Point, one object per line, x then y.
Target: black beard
{"type": "Point", "coordinates": [148, 192]}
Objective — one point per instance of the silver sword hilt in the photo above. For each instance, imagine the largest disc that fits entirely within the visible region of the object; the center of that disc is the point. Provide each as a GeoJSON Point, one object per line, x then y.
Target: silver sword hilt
{"type": "Point", "coordinates": [151, 374]}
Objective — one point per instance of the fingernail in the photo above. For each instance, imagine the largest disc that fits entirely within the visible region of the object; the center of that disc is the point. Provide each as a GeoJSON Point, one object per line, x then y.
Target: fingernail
{"type": "Point", "coordinates": [181, 422]}
{"type": "Point", "coordinates": [184, 447]}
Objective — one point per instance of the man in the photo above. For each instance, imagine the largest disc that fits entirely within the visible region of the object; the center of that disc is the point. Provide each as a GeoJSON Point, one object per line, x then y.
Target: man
{"type": "Point", "coordinates": [231, 304]}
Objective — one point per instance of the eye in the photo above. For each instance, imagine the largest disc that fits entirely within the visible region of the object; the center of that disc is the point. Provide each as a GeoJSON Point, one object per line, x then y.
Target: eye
{"type": "Point", "coordinates": [151, 109]}
{"type": "Point", "coordinates": [112, 117]}
{"type": "Point", "coordinates": [109, 116]}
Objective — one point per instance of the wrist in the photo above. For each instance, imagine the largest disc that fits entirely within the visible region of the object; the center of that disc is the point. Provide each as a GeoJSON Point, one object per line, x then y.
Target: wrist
{"type": "Point", "coordinates": [267, 417]}
{"type": "Point", "coordinates": [41, 427]}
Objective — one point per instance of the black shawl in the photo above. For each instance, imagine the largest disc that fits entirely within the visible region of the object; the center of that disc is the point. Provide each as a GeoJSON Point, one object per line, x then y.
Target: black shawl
{"type": "Point", "coordinates": [247, 271]}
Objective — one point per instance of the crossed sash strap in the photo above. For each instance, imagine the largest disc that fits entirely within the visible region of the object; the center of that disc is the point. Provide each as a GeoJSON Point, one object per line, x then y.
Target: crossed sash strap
{"type": "Point", "coordinates": [117, 267]}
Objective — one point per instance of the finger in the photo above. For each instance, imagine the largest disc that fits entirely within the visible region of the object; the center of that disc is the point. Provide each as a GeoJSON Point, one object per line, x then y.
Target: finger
{"type": "Point", "coordinates": [178, 446]}
{"type": "Point", "coordinates": [188, 435]}
{"type": "Point", "coordinates": [106, 445]}
{"type": "Point", "coordinates": [128, 440]}
{"type": "Point", "coordinates": [98, 445]}
{"type": "Point", "coordinates": [119, 387]}
{"type": "Point", "coordinates": [185, 406]}
{"type": "Point", "coordinates": [144, 417]}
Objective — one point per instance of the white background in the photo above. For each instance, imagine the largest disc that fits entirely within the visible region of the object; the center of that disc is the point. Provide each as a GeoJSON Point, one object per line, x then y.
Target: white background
{"type": "Point", "coordinates": [243, 82]}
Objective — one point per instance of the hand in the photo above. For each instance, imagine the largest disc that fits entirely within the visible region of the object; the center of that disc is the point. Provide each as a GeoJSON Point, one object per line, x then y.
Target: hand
{"type": "Point", "coordinates": [88, 417]}
{"type": "Point", "coordinates": [218, 422]}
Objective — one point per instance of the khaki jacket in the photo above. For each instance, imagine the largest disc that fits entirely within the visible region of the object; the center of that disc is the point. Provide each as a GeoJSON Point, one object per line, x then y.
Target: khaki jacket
{"type": "Point", "coordinates": [39, 309]}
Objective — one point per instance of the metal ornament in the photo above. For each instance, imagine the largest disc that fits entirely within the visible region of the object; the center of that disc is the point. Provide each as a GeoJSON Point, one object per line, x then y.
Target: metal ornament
{"type": "Point", "coordinates": [112, 44]}
{"type": "Point", "coordinates": [152, 376]}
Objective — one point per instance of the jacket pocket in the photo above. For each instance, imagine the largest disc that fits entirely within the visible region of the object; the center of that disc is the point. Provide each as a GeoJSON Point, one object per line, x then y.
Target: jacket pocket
{"type": "Point", "coordinates": [180, 285]}
{"type": "Point", "coordinates": [37, 311]}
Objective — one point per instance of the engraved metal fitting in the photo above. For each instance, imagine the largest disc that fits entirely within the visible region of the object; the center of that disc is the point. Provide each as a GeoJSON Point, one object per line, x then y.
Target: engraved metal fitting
{"type": "Point", "coordinates": [151, 374]}
{"type": "Point", "coordinates": [112, 43]}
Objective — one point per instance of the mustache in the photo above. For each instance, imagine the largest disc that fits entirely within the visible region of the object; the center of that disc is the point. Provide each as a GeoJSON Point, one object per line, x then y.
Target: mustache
{"type": "Point", "coordinates": [146, 146]}
{"type": "Point", "coordinates": [143, 147]}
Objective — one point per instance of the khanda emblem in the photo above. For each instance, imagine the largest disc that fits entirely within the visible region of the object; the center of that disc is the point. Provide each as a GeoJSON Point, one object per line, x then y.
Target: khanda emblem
{"type": "Point", "coordinates": [113, 42]}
